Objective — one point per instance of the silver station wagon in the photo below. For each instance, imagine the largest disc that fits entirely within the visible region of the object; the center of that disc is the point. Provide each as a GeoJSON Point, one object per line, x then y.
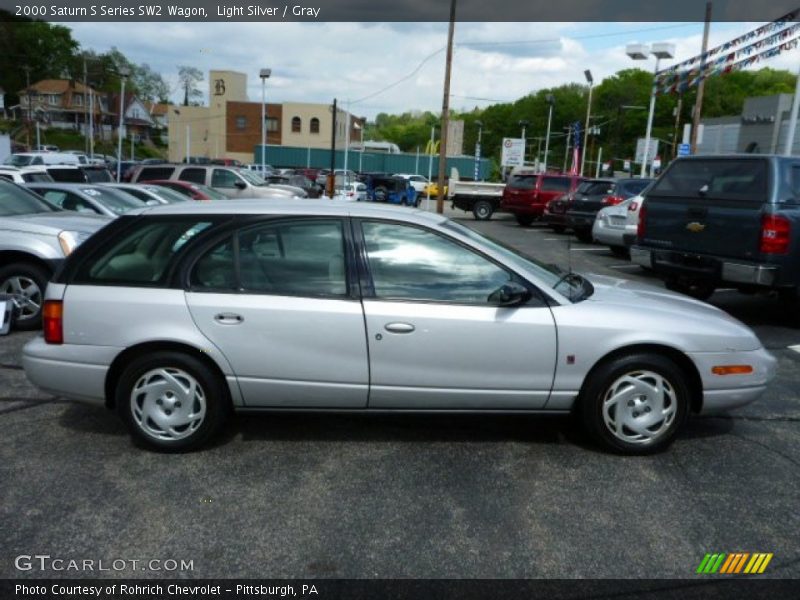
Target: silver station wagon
{"type": "Point", "coordinates": [176, 315]}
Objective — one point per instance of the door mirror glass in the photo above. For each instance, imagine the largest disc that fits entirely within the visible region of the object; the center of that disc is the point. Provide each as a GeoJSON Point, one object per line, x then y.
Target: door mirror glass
{"type": "Point", "coordinates": [509, 294]}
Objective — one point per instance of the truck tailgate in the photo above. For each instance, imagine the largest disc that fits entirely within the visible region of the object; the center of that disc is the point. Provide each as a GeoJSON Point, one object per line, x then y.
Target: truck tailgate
{"type": "Point", "coordinates": [719, 227]}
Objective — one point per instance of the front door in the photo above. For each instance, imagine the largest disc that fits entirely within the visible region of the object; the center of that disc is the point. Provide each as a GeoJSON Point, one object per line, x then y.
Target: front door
{"type": "Point", "coordinates": [275, 298]}
{"type": "Point", "coordinates": [435, 341]}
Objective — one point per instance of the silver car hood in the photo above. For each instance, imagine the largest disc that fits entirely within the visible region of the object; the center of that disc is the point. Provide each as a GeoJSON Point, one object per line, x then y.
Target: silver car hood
{"type": "Point", "coordinates": [669, 313]}
{"type": "Point", "coordinates": [55, 222]}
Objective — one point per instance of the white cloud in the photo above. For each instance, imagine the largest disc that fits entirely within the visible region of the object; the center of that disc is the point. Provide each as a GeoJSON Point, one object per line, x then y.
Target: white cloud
{"type": "Point", "coordinates": [317, 62]}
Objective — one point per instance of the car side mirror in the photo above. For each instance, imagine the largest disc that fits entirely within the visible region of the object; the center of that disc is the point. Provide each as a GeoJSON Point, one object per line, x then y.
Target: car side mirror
{"type": "Point", "coordinates": [240, 184]}
{"type": "Point", "coordinates": [510, 294]}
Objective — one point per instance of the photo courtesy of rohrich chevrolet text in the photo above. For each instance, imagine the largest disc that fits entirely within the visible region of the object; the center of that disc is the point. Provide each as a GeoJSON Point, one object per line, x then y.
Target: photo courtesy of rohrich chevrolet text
{"type": "Point", "coordinates": [344, 299]}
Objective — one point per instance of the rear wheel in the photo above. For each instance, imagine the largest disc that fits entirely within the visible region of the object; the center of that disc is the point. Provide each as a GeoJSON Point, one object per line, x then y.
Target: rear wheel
{"type": "Point", "coordinates": [171, 401]}
{"type": "Point", "coordinates": [524, 220]}
{"type": "Point", "coordinates": [482, 210]}
{"type": "Point", "coordinates": [635, 404]}
{"type": "Point", "coordinates": [558, 228]}
{"type": "Point", "coordinates": [584, 235]}
{"type": "Point", "coordinates": [620, 251]}
{"type": "Point", "coordinates": [701, 290]}
{"type": "Point", "coordinates": [25, 283]}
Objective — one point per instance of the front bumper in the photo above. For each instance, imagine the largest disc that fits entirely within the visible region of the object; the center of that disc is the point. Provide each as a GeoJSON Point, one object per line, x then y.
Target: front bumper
{"type": "Point", "coordinates": [724, 392]}
{"type": "Point", "coordinates": [707, 267]}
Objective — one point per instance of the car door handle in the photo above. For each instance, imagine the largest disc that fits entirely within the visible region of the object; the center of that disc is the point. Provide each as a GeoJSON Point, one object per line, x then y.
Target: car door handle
{"type": "Point", "coordinates": [228, 319]}
{"type": "Point", "coordinates": [399, 327]}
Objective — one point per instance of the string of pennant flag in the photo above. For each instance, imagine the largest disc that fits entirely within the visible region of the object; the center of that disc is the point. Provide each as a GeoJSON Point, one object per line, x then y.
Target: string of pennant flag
{"type": "Point", "coordinates": [778, 39]}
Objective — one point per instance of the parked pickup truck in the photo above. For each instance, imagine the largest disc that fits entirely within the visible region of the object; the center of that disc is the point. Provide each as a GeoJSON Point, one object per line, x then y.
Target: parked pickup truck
{"type": "Point", "coordinates": [732, 221]}
{"type": "Point", "coordinates": [478, 197]}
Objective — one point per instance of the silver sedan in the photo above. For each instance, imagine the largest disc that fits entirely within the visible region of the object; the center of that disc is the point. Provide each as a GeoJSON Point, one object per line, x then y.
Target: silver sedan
{"type": "Point", "coordinates": [175, 315]}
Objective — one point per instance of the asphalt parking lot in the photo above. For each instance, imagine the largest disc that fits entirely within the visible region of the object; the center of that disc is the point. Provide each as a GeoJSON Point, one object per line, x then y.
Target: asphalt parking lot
{"type": "Point", "coordinates": [387, 497]}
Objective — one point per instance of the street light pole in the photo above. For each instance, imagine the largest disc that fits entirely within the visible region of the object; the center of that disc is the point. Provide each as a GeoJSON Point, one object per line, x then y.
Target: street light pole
{"type": "Point", "coordinates": [551, 102]}
{"type": "Point", "coordinates": [649, 130]}
{"type": "Point", "coordinates": [124, 72]}
{"type": "Point", "coordinates": [264, 75]}
{"type": "Point", "coordinates": [590, 80]}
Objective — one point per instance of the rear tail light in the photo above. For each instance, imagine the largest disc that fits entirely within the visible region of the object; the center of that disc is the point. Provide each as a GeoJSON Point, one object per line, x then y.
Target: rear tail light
{"type": "Point", "coordinates": [612, 200]}
{"type": "Point", "coordinates": [775, 234]}
{"type": "Point", "coordinates": [641, 228]}
{"type": "Point", "coordinates": [53, 321]}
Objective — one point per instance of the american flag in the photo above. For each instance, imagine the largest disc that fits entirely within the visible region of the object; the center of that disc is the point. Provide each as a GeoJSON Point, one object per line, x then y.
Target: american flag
{"type": "Point", "coordinates": [576, 148]}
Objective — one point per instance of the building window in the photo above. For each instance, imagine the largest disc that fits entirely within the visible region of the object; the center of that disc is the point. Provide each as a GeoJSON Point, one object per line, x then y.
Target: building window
{"type": "Point", "coordinates": [241, 122]}
{"type": "Point", "coordinates": [135, 113]}
{"type": "Point", "coordinates": [272, 124]}
{"type": "Point", "coordinates": [315, 125]}
{"type": "Point", "coordinates": [53, 99]}
{"type": "Point", "coordinates": [297, 124]}
{"type": "Point", "coordinates": [77, 100]}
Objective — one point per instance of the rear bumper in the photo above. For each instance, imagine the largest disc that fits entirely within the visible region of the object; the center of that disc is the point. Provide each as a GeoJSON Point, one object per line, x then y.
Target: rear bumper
{"type": "Point", "coordinates": [69, 370]}
{"type": "Point", "coordinates": [705, 267]}
{"type": "Point", "coordinates": [610, 236]}
{"type": "Point", "coordinates": [580, 220]}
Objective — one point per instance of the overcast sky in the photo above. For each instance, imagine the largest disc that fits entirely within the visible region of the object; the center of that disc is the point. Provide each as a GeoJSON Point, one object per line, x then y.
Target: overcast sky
{"type": "Point", "coordinates": [317, 62]}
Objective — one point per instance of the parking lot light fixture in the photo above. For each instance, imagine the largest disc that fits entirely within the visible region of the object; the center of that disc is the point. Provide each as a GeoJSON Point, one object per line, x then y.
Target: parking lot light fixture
{"type": "Point", "coordinates": [590, 80]}
{"type": "Point", "coordinates": [264, 75]}
{"type": "Point", "coordinates": [641, 52]}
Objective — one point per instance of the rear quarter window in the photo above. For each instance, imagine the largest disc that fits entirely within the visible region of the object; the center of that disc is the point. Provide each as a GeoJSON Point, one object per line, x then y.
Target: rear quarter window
{"type": "Point", "coordinates": [148, 173]}
{"type": "Point", "coordinates": [555, 184]}
{"type": "Point", "coordinates": [141, 255]}
{"type": "Point", "coordinates": [737, 179]}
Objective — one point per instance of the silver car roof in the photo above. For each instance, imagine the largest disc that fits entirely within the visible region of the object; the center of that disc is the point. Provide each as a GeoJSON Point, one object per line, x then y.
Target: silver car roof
{"type": "Point", "coordinates": [294, 207]}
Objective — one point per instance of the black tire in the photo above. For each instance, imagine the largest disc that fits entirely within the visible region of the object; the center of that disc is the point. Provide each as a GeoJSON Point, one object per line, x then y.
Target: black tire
{"type": "Point", "coordinates": [603, 381]}
{"type": "Point", "coordinates": [524, 220]}
{"type": "Point", "coordinates": [620, 251]}
{"type": "Point", "coordinates": [482, 210]}
{"type": "Point", "coordinates": [212, 387]}
{"type": "Point", "coordinates": [584, 235]}
{"type": "Point", "coordinates": [558, 228]}
{"type": "Point", "coordinates": [28, 278]}
{"type": "Point", "coordinates": [701, 290]}
{"type": "Point", "coordinates": [417, 199]}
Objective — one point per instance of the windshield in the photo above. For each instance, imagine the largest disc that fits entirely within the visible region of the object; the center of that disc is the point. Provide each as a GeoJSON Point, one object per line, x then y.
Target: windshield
{"type": "Point", "coordinates": [114, 200]}
{"type": "Point", "coordinates": [251, 177]}
{"type": "Point", "coordinates": [15, 200]}
{"type": "Point", "coordinates": [19, 160]}
{"type": "Point", "coordinates": [170, 196]}
{"type": "Point", "coordinates": [571, 285]}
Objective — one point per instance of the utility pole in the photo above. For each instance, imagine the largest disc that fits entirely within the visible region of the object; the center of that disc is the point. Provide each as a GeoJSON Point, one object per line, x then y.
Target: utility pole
{"type": "Point", "coordinates": [677, 126]}
{"type": "Point", "coordinates": [332, 176]}
{"type": "Point", "coordinates": [446, 109]}
{"type": "Point", "coordinates": [698, 105]}
{"type": "Point", "coordinates": [85, 108]}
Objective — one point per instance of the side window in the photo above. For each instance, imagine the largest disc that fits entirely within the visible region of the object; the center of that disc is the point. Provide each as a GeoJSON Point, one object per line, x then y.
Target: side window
{"type": "Point", "coordinates": [223, 178]}
{"type": "Point", "coordinates": [408, 263]}
{"type": "Point", "coordinates": [141, 255]}
{"type": "Point", "coordinates": [149, 173]}
{"type": "Point", "coordinates": [555, 184]}
{"type": "Point", "coordinates": [193, 175]}
{"type": "Point", "coordinates": [289, 259]}
{"type": "Point", "coordinates": [69, 201]}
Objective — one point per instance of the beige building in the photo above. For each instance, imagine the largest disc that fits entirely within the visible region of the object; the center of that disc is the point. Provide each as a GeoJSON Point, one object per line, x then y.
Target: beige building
{"type": "Point", "coordinates": [230, 126]}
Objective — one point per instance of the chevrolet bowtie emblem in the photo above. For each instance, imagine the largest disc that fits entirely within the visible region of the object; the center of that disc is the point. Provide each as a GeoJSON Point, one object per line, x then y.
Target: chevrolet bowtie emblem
{"type": "Point", "coordinates": [695, 227]}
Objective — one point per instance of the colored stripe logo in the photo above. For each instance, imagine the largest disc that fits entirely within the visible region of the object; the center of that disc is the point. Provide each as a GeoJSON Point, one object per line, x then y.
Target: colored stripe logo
{"type": "Point", "coordinates": [734, 563]}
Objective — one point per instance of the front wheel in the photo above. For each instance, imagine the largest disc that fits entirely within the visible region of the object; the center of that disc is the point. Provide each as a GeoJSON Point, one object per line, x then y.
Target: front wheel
{"type": "Point", "coordinates": [524, 220]}
{"type": "Point", "coordinates": [482, 210]}
{"type": "Point", "coordinates": [635, 404]}
{"type": "Point", "coordinates": [25, 283]}
{"type": "Point", "coordinates": [171, 401]}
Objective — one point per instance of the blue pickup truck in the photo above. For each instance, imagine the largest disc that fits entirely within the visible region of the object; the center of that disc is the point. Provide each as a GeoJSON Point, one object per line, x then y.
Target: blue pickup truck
{"type": "Point", "coordinates": [393, 189]}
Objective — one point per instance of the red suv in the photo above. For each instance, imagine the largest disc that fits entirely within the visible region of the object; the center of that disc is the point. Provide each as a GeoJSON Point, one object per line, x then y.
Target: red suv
{"type": "Point", "coordinates": [527, 193]}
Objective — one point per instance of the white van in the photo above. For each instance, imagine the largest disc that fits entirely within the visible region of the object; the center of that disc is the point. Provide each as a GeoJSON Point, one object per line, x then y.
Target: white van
{"type": "Point", "coordinates": [27, 159]}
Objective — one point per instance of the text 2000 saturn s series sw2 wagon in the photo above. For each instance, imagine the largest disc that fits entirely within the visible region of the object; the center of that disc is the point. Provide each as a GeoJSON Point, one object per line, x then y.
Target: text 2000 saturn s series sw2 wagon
{"type": "Point", "coordinates": [177, 314]}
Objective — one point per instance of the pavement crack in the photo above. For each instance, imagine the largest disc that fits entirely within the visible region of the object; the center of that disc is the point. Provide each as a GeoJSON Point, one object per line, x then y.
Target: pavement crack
{"type": "Point", "coordinates": [746, 418]}
{"type": "Point", "coordinates": [786, 457]}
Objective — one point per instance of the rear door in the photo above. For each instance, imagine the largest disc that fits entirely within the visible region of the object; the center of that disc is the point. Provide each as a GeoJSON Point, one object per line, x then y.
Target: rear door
{"type": "Point", "coordinates": [709, 206]}
{"type": "Point", "coordinates": [279, 300]}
